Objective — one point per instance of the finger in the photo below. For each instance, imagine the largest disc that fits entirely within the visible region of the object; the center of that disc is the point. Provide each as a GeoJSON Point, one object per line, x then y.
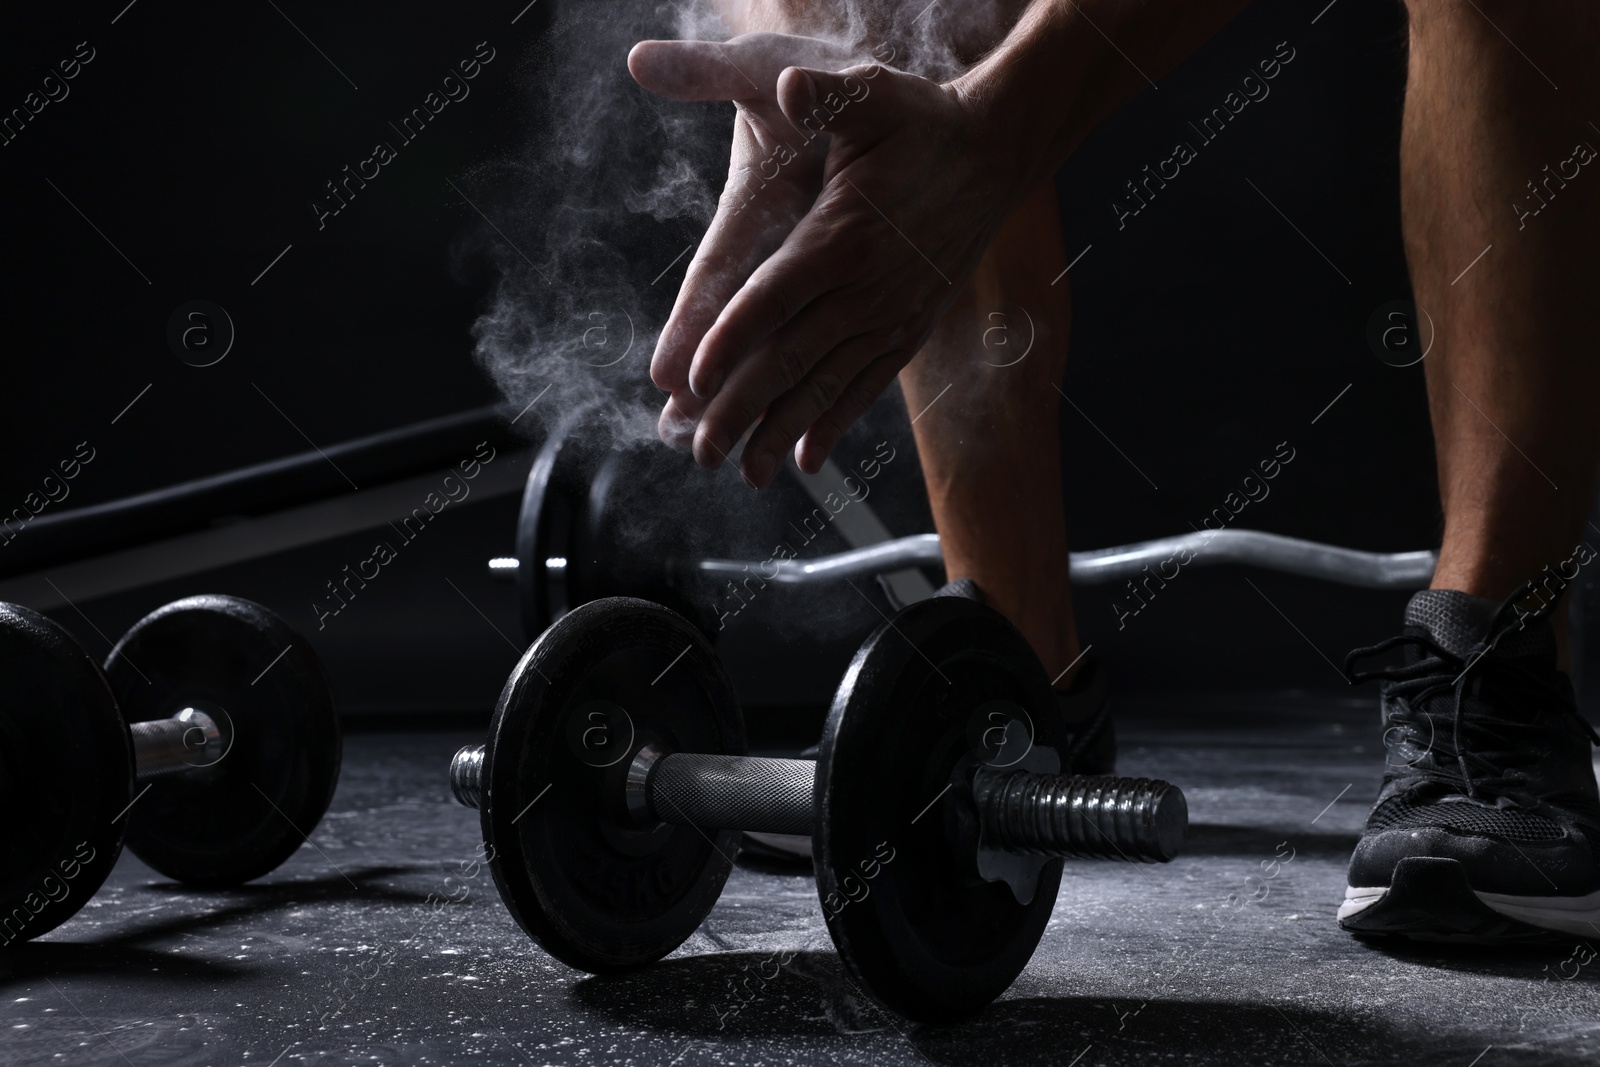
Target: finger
{"type": "Point", "coordinates": [859, 395]}
{"type": "Point", "coordinates": [789, 416]}
{"type": "Point", "coordinates": [775, 368]}
{"type": "Point", "coordinates": [680, 415]}
{"type": "Point", "coordinates": [689, 71]}
{"type": "Point", "coordinates": [750, 224]}
{"type": "Point", "coordinates": [714, 275]}
{"type": "Point", "coordinates": [782, 288]}
{"type": "Point", "coordinates": [731, 251]}
{"type": "Point", "coordinates": [743, 68]}
{"type": "Point", "coordinates": [794, 275]}
{"type": "Point", "coordinates": [755, 213]}
{"type": "Point", "coordinates": [829, 100]}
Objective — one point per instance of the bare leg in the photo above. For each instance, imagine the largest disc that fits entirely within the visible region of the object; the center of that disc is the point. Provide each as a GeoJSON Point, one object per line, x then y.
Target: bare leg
{"type": "Point", "coordinates": [1513, 376]}
{"type": "Point", "coordinates": [989, 434]}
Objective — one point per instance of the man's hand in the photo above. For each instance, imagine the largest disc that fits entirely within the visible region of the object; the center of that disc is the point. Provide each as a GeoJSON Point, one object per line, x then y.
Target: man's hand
{"type": "Point", "coordinates": [774, 175]}
{"type": "Point", "coordinates": [795, 320]}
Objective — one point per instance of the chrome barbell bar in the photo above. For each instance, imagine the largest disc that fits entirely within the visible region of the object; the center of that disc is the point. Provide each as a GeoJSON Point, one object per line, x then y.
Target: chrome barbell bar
{"type": "Point", "coordinates": [1100, 566]}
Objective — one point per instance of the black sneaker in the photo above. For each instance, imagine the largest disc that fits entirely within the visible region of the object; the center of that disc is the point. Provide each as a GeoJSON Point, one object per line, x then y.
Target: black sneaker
{"type": "Point", "coordinates": [1488, 824]}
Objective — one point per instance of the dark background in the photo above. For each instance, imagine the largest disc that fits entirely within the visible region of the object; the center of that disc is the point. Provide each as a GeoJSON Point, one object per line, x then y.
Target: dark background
{"type": "Point", "coordinates": [1205, 332]}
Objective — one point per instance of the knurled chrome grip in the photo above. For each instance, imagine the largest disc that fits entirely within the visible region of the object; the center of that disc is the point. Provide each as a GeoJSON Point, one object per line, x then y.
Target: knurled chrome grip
{"type": "Point", "coordinates": [733, 792]}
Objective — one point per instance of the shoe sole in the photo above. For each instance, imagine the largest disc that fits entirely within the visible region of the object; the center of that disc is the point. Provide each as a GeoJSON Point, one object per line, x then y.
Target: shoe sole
{"type": "Point", "coordinates": [1430, 899]}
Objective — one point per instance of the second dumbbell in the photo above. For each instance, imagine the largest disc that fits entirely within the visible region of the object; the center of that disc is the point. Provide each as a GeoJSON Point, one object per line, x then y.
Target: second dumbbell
{"type": "Point", "coordinates": [208, 744]}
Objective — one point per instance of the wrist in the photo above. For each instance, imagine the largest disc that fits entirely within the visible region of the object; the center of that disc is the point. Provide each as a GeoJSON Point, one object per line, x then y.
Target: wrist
{"type": "Point", "coordinates": [1029, 99]}
{"type": "Point", "coordinates": [1067, 64]}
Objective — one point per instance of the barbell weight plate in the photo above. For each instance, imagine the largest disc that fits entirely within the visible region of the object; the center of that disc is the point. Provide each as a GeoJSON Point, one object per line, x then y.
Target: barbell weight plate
{"type": "Point", "coordinates": [242, 816]}
{"type": "Point", "coordinates": [605, 510]}
{"type": "Point", "coordinates": [66, 765]}
{"type": "Point", "coordinates": [550, 525]}
{"type": "Point", "coordinates": [629, 518]}
{"type": "Point", "coordinates": [635, 494]}
{"type": "Point", "coordinates": [914, 924]}
{"type": "Point", "coordinates": [597, 890]}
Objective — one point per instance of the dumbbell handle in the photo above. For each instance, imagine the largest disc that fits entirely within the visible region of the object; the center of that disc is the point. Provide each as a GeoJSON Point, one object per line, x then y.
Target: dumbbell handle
{"type": "Point", "coordinates": [711, 792]}
{"type": "Point", "coordinates": [184, 742]}
{"type": "Point", "coordinates": [1047, 814]}
{"type": "Point", "coordinates": [723, 792]}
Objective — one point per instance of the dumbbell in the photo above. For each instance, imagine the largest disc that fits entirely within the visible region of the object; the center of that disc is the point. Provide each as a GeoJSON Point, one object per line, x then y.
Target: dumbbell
{"type": "Point", "coordinates": [208, 744]}
{"type": "Point", "coordinates": [614, 784]}
{"type": "Point", "coordinates": [577, 498]}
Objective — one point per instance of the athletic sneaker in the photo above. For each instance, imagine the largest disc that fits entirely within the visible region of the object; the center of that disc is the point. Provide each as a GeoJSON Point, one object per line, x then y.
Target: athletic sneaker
{"type": "Point", "coordinates": [1488, 824]}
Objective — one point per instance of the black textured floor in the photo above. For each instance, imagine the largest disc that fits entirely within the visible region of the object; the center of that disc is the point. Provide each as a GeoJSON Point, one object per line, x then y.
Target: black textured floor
{"type": "Point", "coordinates": [386, 943]}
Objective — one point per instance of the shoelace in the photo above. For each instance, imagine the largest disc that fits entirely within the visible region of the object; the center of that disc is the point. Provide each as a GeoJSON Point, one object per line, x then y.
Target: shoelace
{"type": "Point", "coordinates": [1440, 670]}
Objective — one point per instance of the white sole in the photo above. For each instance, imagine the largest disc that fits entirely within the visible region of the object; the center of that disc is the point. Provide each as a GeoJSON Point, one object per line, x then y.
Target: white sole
{"type": "Point", "coordinates": [1571, 915]}
{"type": "Point", "coordinates": [1358, 899]}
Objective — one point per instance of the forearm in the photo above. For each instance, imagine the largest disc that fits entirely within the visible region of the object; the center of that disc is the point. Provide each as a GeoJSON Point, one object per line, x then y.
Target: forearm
{"type": "Point", "coordinates": [933, 40]}
{"type": "Point", "coordinates": [1068, 64]}
{"type": "Point", "coordinates": [805, 18]}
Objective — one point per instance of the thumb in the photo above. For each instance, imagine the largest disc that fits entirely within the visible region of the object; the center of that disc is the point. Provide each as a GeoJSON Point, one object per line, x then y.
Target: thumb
{"type": "Point", "coordinates": [822, 101]}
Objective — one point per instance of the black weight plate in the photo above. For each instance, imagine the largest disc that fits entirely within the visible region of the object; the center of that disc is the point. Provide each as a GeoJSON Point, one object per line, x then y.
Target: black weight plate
{"type": "Point", "coordinates": [598, 892]}
{"type": "Point", "coordinates": [550, 526]}
{"type": "Point", "coordinates": [66, 764]}
{"type": "Point", "coordinates": [913, 922]}
{"type": "Point", "coordinates": [242, 816]}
